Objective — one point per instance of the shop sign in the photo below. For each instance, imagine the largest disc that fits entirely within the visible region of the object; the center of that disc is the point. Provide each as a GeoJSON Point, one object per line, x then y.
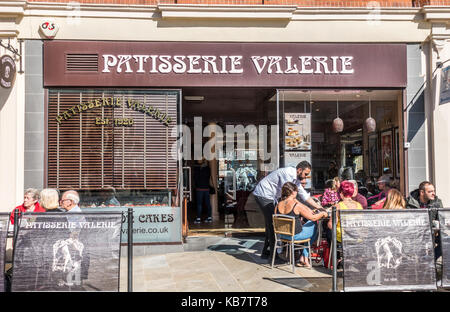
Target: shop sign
{"type": "Point", "coordinates": [183, 64]}
{"type": "Point", "coordinates": [444, 224]}
{"type": "Point", "coordinates": [387, 250]}
{"type": "Point", "coordinates": [67, 252]}
{"type": "Point", "coordinates": [113, 102]}
{"type": "Point", "coordinates": [151, 224]}
{"type": "Point", "coordinates": [7, 71]}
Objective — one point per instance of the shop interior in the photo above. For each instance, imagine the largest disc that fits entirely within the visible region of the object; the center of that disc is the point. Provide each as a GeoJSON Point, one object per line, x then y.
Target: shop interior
{"type": "Point", "coordinates": [353, 153]}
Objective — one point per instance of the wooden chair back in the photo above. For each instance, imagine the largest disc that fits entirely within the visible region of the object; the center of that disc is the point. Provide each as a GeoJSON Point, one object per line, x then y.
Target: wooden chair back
{"type": "Point", "coordinates": [283, 224]}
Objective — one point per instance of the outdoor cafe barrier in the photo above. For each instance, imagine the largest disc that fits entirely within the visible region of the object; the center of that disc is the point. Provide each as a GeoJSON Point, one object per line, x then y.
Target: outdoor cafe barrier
{"type": "Point", "coordinates": [388, 250]}
{"type": "Point", "coordinates": [444, 226]}
{"type": "Point", "coordinates": [4, 221]}
{"type": "Point", "coordinates": [67, 252]}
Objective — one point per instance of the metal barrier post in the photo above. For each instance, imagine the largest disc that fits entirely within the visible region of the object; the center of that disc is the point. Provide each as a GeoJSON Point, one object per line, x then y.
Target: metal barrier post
{"type": "Point", "coordinates": [16, 224]}
{"type": "Point", "coordinates": [130, 249]}
{"type": "Point", "coordinates": [334, 244]}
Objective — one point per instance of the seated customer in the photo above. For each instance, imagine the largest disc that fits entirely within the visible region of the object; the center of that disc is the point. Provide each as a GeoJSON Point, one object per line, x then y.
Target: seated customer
{"type": "Point", "coordinates": [358, 197]}
{"type": "Point", "coordinates": [384, 186]}
{"type": "Point", "coordinates": [30, 203]}
{"type": "Point", "coordinates": [50, 200]}
{"type": "Point", "coordinates": [290, 206]}
{"type": "Point", "coordinates": [394, 200]}
{"type": "Point", "coordinates": [331, 195]}
{"type": "Point", "coordinates": [346, 191]}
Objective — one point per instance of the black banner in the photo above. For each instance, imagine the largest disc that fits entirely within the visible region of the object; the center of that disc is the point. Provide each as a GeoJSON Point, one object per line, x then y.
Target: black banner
{"type": "Point", "coordinates": [4, 221]}
{"type": "Point", "coordinates": [387, 250]}
{"type": "Point", "coordinates": [444, 226]}
{"type": "Point", "coordinates": [67, 252]}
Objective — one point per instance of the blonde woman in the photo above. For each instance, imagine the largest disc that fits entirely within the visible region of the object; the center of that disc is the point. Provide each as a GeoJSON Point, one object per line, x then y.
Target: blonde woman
{"type": "Point", "coordinates": [331, 195]}
{"type": "Point", "coordinates": [50, 200]}
{"type": "Point", "coordinates": [394, 200]}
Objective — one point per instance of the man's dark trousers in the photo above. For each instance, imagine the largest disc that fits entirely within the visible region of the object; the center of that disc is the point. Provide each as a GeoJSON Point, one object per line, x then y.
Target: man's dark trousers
{"type": "Point", "coordinates": [267, 207]}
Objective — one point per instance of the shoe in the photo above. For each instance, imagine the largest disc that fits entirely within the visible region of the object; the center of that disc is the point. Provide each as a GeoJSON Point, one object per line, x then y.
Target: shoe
{"type": "Point", "coordinates": [208, 220]}
{"type": "Point", "coordinates": [197, 221]}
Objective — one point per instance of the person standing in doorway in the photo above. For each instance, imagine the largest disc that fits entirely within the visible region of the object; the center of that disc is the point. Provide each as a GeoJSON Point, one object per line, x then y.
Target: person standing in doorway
{"type": "Point", "coordinates": [268, 192]}
{"type": "Point", "coordinates": [202, 178]}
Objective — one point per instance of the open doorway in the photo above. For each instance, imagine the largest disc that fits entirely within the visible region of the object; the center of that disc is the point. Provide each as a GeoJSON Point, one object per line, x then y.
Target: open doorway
{"type": "Point", "coordinates": [243, 118]}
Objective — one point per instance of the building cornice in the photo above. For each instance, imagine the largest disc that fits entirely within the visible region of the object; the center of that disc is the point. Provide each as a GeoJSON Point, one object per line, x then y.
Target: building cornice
{"type": "Point", "coordinates": [436, 14]}
{"type": "Point", "coordinates": [199, 11]}
{"type": "Point", "coordinates": [12, 8]}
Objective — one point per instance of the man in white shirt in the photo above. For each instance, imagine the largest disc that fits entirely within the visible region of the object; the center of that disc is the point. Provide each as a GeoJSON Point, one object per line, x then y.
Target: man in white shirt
{"type": "Point", "coordinates": [268, 192]}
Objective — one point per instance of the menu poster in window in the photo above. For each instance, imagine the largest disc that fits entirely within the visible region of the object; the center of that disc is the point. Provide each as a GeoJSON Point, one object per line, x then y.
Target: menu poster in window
{"type": "Point", "coordinates": [386, 152]}
{"type": "Point", "coordinates": [373, 154]}
{"type": "Point", "coordinates": [291, 159]}
{"type": "Point", "coordinates": [297, 131]}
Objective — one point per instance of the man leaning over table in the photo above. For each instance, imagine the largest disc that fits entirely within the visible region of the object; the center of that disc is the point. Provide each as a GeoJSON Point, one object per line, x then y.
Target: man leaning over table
{"type": "Point", "coordinates": [268, 192]}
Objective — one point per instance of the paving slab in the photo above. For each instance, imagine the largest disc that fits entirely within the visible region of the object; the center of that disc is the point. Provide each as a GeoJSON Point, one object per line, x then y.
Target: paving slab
{"type": "Point", "coordinates": [221, 265]}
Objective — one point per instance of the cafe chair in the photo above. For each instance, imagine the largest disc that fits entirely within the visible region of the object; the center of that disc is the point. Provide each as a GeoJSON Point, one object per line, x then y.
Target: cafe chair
{"type": "Point", "coordinates": [285, 225]}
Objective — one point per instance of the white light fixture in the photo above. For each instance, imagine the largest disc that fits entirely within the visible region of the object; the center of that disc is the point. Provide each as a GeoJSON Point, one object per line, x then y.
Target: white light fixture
{"type": "Point", "coordinates": [338, 123]}
{"type": "Point", "coordinates": [194, 97]}
{"type": "Point", "coordinates": [371, 124]}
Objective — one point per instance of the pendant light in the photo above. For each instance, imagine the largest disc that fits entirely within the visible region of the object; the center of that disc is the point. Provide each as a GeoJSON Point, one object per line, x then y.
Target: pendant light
{"type": "Point", "coordinates": [371, 124]}
{"type": "Point", "coordinates": [338, 123]}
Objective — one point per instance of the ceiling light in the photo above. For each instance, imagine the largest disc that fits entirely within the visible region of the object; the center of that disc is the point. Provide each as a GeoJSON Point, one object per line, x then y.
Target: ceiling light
{"type": "Point", "coordinates": [194, 97]}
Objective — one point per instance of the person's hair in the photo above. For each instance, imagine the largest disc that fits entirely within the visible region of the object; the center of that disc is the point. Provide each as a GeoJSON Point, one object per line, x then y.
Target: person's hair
{"type": "Point", "coordinates": [303, 165]}
{"type": "Point", "coordinates": [385, 179]}
{"type": "Point", "coordinates": [347, 189]}
{"type": "Point", "coordinates": [287, 189]}
{"type": "Point", "coordinates": [34, 192]}
{"type": "Point", "coordinates": [334, 183]}
{"type": "Point", "coordinates": [394, 200]}
{"type": "Point", "coordinates": [423, 185]}
{"type": "Point", "coordinates": [72, 195]}
{"type": "Point", "coordinates": [49, 199]}
{"type": "Point", "coordinates": [355, 184]}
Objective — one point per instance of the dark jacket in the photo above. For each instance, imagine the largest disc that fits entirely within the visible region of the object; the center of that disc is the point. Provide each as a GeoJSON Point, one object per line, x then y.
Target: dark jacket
{"type": "Point", "coordinates": [202, 175]}
{"type": "Point", "coordinates": [412, 202]}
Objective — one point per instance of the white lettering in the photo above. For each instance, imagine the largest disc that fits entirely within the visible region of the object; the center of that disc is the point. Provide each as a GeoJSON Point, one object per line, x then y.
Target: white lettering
{"type": "Point", "coordinates": [180, 66]}
{"type": "Point", "coordinates": [153, 67]}
{"type": "Point", "coordinates": [193, 61]}
{"type": "Point", "coordinates": [274, 60]}
{"type": "Point", "coordinates": [166, 66]}
{"type": "Point", "coordinates": [224, 64]}
{"type": "Point", "coordinates": [108, 62]}
{"type": "Point", "coordinates": [305, 61]}
{"type": "Point", "coordinates": [321, 60]}
{"type": "Point", "coordinates": [140, 59]}
{"type": "Point", "coordinates": [210, 60]}
{"type": "Point", "coordinates": [346, 62]}
{"type": "Point", "coordinates": [256, 59]}
{"type": "Point", "coordinates": [290, 69]}
{"type": "Point", "coordinates": [334, 58]}
{"type": "Point", "coordinates": [124, 59]}
{"type": "Point", "coordinates": [236, 61]}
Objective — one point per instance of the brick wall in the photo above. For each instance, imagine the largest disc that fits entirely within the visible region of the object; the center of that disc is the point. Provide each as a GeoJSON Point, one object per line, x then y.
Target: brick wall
{"type": "Point", "coordinates": [300, 3]}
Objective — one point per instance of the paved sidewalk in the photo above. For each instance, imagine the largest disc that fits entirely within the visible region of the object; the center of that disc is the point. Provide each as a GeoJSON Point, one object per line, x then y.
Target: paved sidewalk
{"type": "Point", "coordinates": [229, 264]}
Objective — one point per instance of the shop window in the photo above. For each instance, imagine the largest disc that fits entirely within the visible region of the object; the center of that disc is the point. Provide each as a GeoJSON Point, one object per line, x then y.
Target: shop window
{"type": "Point", "coordinates": [100, 140]}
